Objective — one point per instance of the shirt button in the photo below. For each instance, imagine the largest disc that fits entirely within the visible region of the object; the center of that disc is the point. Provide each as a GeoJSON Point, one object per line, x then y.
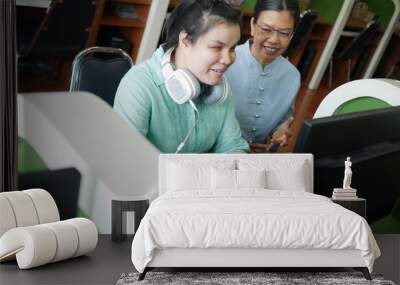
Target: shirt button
{"type": "Point", "coordinates": [261, 88]}
{"type": "Point", "coordinates": [258, 102]}
{"type": "Point", "coordinates": [253, 129]}
{"type": "Point", "coordinates": [257, 116]}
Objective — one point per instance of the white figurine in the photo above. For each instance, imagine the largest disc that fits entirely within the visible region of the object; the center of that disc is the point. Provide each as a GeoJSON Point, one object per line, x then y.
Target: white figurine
{"type": "Point", "coordinates": [347, 174]}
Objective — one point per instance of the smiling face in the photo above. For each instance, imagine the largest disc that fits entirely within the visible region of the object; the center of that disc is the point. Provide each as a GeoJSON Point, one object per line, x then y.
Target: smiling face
{"type": "Point", "coordinates": [272, 32]}
{"type": "Point", "coordinates": [212, 53]}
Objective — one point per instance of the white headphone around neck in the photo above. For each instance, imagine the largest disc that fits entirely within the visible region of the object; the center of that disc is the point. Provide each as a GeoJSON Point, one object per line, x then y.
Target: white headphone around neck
{"type": "Point", "coordinates": [182, 86]}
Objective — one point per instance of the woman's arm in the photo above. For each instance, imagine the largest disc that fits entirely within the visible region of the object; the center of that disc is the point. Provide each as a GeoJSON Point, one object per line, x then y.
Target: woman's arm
{"type": "Point", "coordinates": [230, 137]}
{"type": "Point", "coordinates": [282, 132]}
{"type": "Point", "coordinates": [133, 101]}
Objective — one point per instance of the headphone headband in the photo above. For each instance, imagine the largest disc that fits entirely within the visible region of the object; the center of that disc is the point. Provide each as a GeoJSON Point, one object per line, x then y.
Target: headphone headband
{"type": "Point", "coordinates": [166, 66]}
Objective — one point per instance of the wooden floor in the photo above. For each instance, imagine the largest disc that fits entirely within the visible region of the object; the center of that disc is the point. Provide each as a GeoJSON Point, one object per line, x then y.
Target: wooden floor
{"type": "Point", "coordinates": [110, 259]}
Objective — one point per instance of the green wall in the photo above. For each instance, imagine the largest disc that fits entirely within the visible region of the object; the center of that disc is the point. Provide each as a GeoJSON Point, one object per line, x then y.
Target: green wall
{"type": "Point", "coordinates": [327, 9]}
{"type": "Point", "coordinates": [383, 9]}
{"type": "Point", "coordinates": [249, 3]}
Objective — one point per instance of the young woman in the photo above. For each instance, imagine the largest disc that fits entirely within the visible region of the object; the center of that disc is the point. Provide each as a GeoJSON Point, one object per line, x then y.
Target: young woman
{"type": "Point", "coordinates": [265, 84]}
{"type": "Point", "coordinates": [179, 98]}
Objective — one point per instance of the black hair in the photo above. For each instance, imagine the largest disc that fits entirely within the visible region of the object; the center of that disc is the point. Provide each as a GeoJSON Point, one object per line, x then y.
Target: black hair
{"type": "Point", "coordinates": [292, 6]}
{"type": "Point", "coordinates": [197, 17]}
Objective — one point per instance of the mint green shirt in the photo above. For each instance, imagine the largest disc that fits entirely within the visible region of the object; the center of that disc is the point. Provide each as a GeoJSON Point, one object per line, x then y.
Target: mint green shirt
{"type": "Point", "coordinates": [142, 100]}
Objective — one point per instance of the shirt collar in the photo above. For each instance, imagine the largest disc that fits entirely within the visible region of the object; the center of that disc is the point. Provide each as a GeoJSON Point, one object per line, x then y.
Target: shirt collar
{"type": "Point", "coordinates": [254, 61]}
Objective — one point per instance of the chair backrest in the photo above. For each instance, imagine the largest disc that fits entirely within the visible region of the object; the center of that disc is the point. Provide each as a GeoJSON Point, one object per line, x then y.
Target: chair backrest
{"type": "Point", "coordinates": [307, 19]}
{"type": "Point", "coordinates": [65, 29]}
{"type": "Point", "coordinates": [359, 42]}
{"type": "Point", "coordinates": [99, 70]}
{"type": "Point", "coordinates": [360, 95]}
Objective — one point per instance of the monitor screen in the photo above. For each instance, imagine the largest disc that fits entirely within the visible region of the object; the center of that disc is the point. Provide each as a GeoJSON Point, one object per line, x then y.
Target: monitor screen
{"type": "Point", "coordinates": [372, 140]}
{"type": "Point", "coordinates": [347, 133]}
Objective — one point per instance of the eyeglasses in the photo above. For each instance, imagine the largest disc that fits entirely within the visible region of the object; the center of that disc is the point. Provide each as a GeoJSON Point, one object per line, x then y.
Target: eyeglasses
{"type": "Point", "coordinates": [267, 31]}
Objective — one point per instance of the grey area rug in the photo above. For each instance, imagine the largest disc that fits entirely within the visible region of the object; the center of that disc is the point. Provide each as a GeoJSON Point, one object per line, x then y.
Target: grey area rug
{"type": "Point", "coordinates": [233, 278]}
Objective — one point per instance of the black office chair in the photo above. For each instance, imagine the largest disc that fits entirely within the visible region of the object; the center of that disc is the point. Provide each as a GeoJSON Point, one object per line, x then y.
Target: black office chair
{"type": "Point", "coordinates": [99, 70]}
{"type": "Point", "coordinates": [63, 31]}
{"type": "Point", "coordinates": [306, 22]}
{"type": "Point", "coordinates": [63, 185]}
{"type": "Point", "coordinates": [358, 49]}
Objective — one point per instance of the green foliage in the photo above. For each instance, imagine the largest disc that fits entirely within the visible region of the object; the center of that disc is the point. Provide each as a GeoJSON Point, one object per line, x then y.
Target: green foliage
{"type": "Point", "coordinates": [82, 214]}
{"type": "Point", "coordinates": [28, 159]}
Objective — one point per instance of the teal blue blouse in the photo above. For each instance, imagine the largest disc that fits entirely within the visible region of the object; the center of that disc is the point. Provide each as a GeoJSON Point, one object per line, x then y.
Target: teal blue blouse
{"type": "Point", "coordinates": [264, 96]}
{"type": "Point", "coordinates": [142, 100]}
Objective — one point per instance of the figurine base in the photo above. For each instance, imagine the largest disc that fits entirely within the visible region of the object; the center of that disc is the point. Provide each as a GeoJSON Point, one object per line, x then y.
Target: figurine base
{"type": "Point", "coordinates": [344, 194]}
{"type": "Point", "coordinates": [344, 190]}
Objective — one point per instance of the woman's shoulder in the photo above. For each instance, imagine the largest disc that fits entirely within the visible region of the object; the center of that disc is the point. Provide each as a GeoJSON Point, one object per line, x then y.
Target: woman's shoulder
{"type": "Point", "coordinates": [138, 82]}
{"type": "Point", "coordinates": [145, 73]}
{"type": "Point", "coordinates": [137, 72]}
{"type": "Point", "coordinates": [243, 53]}
{"type": "Point", "coordinates": [242, 47]}
{"type": "Point", "coordinates": [288, 68]}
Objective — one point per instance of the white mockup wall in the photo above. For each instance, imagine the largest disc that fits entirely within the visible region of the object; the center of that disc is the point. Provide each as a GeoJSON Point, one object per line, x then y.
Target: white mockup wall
{"type": "Point", "coordinates": [81, 130]}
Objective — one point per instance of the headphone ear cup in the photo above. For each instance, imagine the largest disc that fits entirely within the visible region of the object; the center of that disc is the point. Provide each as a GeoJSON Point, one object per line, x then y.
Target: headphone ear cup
{"type": "Point", "coordinates": [218, 93]}
{"type": "Point", "coordinates": [182, 86]}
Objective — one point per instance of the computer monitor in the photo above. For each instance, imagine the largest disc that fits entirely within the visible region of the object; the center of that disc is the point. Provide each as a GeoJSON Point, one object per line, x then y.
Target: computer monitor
{"type": "Point", "coordinates": [347, 133]}
{"type": "Point", "coordinates": [372, 140]}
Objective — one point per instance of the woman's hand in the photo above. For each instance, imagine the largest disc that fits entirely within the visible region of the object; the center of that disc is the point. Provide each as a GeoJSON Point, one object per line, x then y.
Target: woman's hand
{"type": "Point", "coordinates": [279, 138]}
{"type": "Point", "coordinates": [258, 148]}
{"type": "Point", "coordinates": [282, 134]}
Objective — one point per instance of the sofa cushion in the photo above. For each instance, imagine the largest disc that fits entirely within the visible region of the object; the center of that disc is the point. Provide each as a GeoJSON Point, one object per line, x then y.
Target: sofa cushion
{"type": "Point", "coordinates": [40, 244]}
{"type": "Point", "coordinates": [26, 208]}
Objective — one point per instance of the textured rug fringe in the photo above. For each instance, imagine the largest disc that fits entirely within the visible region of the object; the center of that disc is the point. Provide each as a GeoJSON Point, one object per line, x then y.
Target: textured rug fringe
{"type": "Point", "coordinates": [244, 278]}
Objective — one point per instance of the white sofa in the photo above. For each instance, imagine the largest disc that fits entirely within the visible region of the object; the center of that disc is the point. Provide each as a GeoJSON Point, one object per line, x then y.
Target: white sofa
{"type": "Point", "coordinates": [31, 231]}
{"type": "Point", "coordinates": [176, 231]}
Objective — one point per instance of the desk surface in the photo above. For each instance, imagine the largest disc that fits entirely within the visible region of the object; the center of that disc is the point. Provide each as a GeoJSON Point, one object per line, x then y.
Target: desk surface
{"type": "Point", "coordinates": [102, 266]}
